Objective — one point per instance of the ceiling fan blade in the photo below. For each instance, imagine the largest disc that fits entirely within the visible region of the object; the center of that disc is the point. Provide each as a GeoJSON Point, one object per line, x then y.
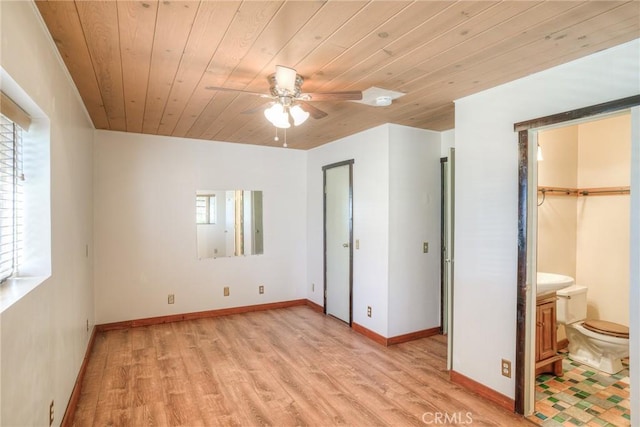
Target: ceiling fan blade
{"type": "Point", "coordinates": [227, 89]}
{"type": "Point", "coordinates": [351, 95]}
{"type": "Point", "coordinates": [253, 110]}
{"type": "Point", "coordinates": [316, 113]}
{"type": "Point", "coordinates": [286, 78]}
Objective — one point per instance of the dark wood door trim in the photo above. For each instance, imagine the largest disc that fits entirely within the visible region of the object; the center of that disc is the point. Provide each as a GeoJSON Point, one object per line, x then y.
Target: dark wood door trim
{"type": "Point", "coordinates": [580, 113]}
{"type": "Point", "coordinates": [521, 292]}
{"type": "Point", "coordinates": [338, 164]}
{"type": "Point", "coordinates": [523, 129]}
{"type": "Point", "coordinates": [324, 232]}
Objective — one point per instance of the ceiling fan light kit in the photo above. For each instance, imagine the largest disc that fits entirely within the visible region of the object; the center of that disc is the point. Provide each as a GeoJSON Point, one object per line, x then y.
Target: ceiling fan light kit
{"type": "Point", "coordinates": [277, 115]}
{"type": "Point", "coordinates": [280, 115]}
{"type": "Point", "coordinates": [298, 114]}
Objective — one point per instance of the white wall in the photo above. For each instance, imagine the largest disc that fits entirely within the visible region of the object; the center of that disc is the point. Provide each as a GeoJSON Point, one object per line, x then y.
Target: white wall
{"type": "Point", "coordinates": [486, 197]}
{"type": "Point", "coordinates": [602, 246]}
{"type": "Point", "coordinates": [396, 207]}
{"type": "Point", "coordinates": [557, 220]}
{"type": "Point", "coordinates": [370, 151]}
{"type": "Point", "coordinates": [448, 141]}
{"type": "Point", "coordinates": [145, 231]}
{"type": "Point", "coordinates": [414, 218]}
{"type": "Point", "coordinates": [44, 334]}
{"type": "Point", "coordinates": [557, 214]}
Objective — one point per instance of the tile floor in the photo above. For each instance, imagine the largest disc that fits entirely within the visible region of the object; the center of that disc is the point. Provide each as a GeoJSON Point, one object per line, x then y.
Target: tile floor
{"type": "Point", "coordinates": [582, 397]}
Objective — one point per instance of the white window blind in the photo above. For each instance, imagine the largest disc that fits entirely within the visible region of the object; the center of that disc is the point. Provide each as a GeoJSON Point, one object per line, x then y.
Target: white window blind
{"type": "Point", "coordinates": [11, 197]}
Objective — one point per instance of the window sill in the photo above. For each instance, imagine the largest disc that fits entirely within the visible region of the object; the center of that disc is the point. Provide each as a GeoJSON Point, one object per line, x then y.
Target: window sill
{"type": "Point", "coordinates": [13, 290]}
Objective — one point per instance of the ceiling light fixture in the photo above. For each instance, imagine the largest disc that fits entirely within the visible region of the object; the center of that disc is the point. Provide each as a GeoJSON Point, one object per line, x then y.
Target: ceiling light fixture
{"type": "Point", "coordinates": [277, 115]}
{"type": "Point", "coordinates": [298, 114]}
{"type": "Point", "coordinates": [281, 115]}
{"type": "Point", "coordinates": [289, 105]}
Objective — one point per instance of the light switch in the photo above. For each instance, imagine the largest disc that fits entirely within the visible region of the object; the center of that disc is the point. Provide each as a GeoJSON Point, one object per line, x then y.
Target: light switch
{"type": "Point", "coordinates": [425, 247]}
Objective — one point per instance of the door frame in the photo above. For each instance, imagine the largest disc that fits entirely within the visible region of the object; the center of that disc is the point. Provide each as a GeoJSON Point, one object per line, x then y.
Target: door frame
{"type": "Point", "coordinates": [527, 200]}
{"type": "Point", "coordinates": [324, 232]}
{"type": "Point", "coordinates": [443, 265]}
{"type": "Point", "coordinates": [447, 211]}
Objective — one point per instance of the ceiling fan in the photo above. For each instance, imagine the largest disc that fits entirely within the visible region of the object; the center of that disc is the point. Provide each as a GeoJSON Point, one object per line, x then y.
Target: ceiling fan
{"type": "Point", "coordinates": [289, 103]}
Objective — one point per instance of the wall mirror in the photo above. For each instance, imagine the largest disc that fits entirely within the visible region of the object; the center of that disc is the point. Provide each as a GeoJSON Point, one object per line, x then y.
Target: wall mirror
{"type": "Point", "coordinates": [229, 223]}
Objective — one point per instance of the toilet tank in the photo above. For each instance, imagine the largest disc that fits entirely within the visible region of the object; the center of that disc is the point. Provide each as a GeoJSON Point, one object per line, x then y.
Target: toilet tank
{"type": "Point", "coordinates": [572, 304]}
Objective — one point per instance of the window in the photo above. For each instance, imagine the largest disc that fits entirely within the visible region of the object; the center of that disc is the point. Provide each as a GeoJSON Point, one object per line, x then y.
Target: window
{"type": "Point", "coordinates": [11, 197]}
{"type": "Point", "coordinates": [206, 209]}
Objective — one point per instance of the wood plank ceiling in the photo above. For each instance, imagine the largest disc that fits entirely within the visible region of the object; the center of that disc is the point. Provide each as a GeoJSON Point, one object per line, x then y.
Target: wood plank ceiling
{"type": "Point", "coordinates": [144, 66]}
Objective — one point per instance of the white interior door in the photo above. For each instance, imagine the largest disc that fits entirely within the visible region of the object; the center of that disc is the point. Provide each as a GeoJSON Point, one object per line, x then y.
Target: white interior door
{"type": "Point", "coordinates": [338, 242]}
{"type": "Point", "coordinates": [449, 239]}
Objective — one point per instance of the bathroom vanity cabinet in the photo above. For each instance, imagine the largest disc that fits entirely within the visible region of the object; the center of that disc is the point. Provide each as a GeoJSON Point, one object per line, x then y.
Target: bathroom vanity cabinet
{"type": "Point", "coordinates": [547, 357]}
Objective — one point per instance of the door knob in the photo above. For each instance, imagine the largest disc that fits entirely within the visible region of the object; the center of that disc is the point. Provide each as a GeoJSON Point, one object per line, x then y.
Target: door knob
{"type": "Point", "coordinates": [345, 245]}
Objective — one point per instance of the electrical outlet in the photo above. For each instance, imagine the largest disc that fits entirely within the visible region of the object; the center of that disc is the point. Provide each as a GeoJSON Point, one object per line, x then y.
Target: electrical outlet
{"type": "Point", "coordinates": [171, 299]}
{"type": "Point", "coordinates": [261, 289]}
{"type": "Point", "coordinates": [425, 247]}
{"type": "Point", "coordinates": [226, 291]}
{"type": "Point", "coordinates": [357, 243]}
{"type": "Point", "coordinates": [368, 311]}
{"type": "Point", "coordinates": [506, 368]}
{"type": "Point", "coordinates": [51, 413]}
{"type": "Point", "coordinates": [87, 325]}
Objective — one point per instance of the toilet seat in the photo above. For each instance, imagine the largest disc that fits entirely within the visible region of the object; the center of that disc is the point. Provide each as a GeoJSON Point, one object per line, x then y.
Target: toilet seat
{"type": "Point", "coordinates": [607, 328]}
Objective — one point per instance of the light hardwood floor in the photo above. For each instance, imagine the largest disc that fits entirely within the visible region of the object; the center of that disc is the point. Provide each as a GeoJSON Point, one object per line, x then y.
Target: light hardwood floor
{"type": "Point", "coordinates": [281, 367]}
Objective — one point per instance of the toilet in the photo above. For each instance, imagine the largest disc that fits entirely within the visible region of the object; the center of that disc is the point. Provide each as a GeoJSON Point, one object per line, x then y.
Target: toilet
{"type": "Point", "coordinates": [596, 343]}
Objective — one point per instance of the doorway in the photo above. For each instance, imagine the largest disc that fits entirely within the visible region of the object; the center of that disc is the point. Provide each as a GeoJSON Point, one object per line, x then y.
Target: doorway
{"type": "Point", "coordinates": [447, 172]}
{"type": "Point", "coordinates": [527, 241]}
{"type": "Point", "coordinates": [338, 239]}
{"type": "Point", "coordinates": [583, 238]}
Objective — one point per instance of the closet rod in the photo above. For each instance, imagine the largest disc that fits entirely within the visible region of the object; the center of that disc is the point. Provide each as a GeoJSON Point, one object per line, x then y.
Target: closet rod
{"type": "Point", "coordinates": [597, 191]}
{"type": "Point", "coordinates": [603, 191]}
{"type": "Point", "coordinates": [559, 191]}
